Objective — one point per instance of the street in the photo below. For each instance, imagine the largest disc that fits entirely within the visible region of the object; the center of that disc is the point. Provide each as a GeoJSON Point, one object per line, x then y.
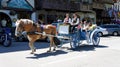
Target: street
{"type": "Point", "coordinates": [107, 54]}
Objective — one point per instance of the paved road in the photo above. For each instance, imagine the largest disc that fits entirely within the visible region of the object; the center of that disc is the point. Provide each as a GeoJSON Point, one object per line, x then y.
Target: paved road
{"type": "Point", "coordinates": [105, 55]}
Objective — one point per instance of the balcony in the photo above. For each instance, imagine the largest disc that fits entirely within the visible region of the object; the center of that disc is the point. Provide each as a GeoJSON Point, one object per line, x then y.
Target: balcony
{"type": "Point", "coordinates": [98, 1]}
{"type": "Point", "coordinates": [84, 7]}
{"type": "Point", "coordinates": [57, 5]}
{"type": "Point", "coordinates": [54, 5]}
{"type": "Point", "coordinates": [104, 1]}
{"type": "Point", "coordinates": [98, 5]}
{"type": "Point", "coordinates": [108, 1]}
{"type": "Point", "coordinates": [74, 6]}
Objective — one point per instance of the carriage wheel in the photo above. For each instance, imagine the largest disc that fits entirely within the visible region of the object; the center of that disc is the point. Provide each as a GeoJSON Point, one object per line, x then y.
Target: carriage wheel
{"type": "Point", "coordinates": [96, 39]}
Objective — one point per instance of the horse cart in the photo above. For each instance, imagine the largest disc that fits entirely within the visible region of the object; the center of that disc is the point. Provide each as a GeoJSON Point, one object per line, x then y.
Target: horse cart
{"type": "Point", "coordinates": [36, 31]}
{"type": "Point", "coordinates": [75, 39]}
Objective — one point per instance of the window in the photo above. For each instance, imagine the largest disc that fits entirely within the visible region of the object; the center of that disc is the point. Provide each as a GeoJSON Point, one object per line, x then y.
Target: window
{"type": "Point", "coordinates": [90, 1]}
{"type": "Point", "coordinates": [87, 1]}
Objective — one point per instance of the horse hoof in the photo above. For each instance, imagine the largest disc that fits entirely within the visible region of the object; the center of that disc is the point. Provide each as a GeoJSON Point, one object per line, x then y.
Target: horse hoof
{"type": "Point", "coordinates": [34, 50]}
{"type": "Point", "coordinates": [32, 53]}
{"type": "Point", "coordinates": [48, 51]}
{"type": "Point", "coordinates": [54, 49]}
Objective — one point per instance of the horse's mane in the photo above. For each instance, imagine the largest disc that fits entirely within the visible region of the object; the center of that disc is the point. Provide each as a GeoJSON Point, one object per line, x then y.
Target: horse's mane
{"type": "Point", "coordinates": [26, 21]}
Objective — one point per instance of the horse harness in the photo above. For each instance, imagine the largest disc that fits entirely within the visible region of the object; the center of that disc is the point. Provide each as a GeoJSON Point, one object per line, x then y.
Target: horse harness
{"type": "Point", "coordinates": [35, 31]}
{"type": "Point", "coordinates": [33, 28]}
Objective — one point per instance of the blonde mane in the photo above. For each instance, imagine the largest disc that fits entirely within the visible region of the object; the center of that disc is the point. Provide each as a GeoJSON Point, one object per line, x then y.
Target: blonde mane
{"type": "Point", "coordinates": [27, 21]}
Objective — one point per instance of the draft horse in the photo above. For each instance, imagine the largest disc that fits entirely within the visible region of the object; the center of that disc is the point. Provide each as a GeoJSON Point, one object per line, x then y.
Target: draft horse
{"type": "Point", "coordinates": [30, 27]}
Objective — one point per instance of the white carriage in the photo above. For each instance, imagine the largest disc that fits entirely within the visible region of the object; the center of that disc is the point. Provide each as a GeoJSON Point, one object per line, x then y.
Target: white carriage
{"type": "Point", "coordinates": [77, 37]}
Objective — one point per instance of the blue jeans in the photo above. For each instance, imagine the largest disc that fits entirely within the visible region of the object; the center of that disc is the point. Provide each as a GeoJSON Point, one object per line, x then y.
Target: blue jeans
{"type": "Point", "coordinates": [74, 40]}
{"type": "Point", "coordinates": [81, 35]}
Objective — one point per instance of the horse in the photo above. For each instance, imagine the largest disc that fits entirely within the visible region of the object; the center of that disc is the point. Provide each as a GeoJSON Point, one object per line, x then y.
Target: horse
{"type": "Point", "coordinates": [30, 27]}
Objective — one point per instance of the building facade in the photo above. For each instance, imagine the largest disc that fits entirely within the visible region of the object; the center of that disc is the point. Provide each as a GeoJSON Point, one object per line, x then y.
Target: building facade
{"type": "Point", "coordinates": [101, 8]}
{"type": "Point", "coordinates": [96, 10]}
{"type": "Point", "coordinates": [52, 10]}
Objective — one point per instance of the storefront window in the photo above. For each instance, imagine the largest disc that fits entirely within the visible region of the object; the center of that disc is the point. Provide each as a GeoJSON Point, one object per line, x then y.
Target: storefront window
{"type": "Point", "coordinates": [24, 15]}
{"type": "Point", "coordinates": [87, 1]}
{"type": "Point", "coordinates": [0, 3]}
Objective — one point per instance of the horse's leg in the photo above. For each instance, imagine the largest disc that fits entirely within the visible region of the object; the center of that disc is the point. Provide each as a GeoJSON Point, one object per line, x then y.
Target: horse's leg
{"type": "Point", "coordinates": [54, 49]}
{"type": "Point", "coordinates": [50, 44]}
{"type": "Point", "coordinates": [31, 45]}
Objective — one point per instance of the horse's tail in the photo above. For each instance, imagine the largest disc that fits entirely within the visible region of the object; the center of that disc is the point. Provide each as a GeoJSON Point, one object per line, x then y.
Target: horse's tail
{"type": "Point", "coordinates": [55, 39]}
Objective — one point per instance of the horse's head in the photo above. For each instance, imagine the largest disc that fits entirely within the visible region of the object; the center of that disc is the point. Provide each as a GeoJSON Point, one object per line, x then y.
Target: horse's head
{"type": "Point", "coordinates": [19, 28]}
{"type": "Point", "coordinates": [23, 25]}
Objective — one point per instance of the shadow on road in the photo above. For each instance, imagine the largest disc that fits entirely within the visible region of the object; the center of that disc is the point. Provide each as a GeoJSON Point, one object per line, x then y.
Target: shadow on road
{"type": "Point", "coordinates": [47, 54]}
{"type": "Point", "coordinates": [101, 46]}
{"type": "Point", "coordinates": [86, 47]}
{"type": "Point", "coordinates": [22, 46]}
{"type": "Point", "coordinates": [61, 51]}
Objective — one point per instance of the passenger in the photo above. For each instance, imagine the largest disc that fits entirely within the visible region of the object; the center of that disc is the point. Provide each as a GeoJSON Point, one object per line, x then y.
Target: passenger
{"type": "Point", "coordinates": [82, 28]}
{"type": "Point", "coordinates": [84, 25]}
{"type": "Point", "coordinates": [67, 19]}
{"type": "Point", "coordinates": [91, 26]}
{"type": "Point", "coordinates": [75, 21]}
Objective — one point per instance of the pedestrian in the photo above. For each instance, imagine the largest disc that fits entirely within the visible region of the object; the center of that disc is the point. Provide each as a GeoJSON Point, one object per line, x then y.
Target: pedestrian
{"type": "Point", "coordinates": [40, 20]}
{"type": "Point", "coordinates": [4, 22]}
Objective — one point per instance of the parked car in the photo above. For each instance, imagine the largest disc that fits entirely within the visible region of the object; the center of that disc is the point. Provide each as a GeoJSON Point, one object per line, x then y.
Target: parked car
{"type": "Point", "coordinates": [102, 31]}
{"type": "Point", "coordinates": [113, 29]}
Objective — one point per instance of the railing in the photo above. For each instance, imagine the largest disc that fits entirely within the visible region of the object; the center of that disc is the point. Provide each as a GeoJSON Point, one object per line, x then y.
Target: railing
{"type": "Point", "coordinates": [108, 1]}
{"type": "Point", "coordinates": [98, 5]}
{"type": "Point", "coordinates": [85, 7]}
{"type": "Point", "coordinates": [104, 1]}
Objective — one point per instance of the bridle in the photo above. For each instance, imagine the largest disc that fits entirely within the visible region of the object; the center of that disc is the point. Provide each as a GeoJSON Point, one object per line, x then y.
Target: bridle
{"type": "Point", "coordinates": [20, 29]}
